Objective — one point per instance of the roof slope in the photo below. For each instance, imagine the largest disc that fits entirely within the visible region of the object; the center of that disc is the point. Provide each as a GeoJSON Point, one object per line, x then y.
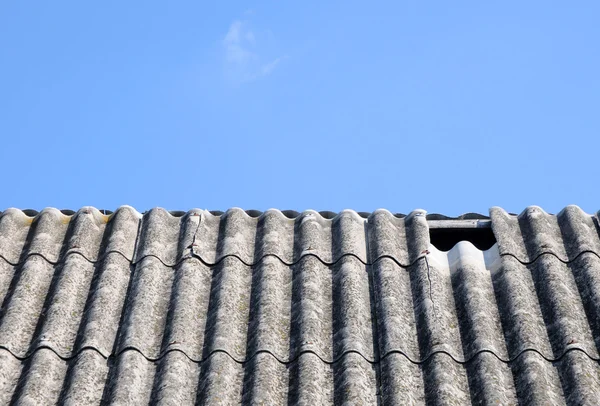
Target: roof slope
{"type": "Point", "coordinates": [222, 309]}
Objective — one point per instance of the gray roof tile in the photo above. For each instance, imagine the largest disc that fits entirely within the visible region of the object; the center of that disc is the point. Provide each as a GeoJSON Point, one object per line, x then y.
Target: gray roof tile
{"type": "Point", "coordinates": [534, 233]}
{"type": "Point", "coordinates": [273, 309]}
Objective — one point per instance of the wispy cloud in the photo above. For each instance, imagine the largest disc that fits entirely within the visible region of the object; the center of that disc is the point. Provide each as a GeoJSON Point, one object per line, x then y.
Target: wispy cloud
{"type": "Point", "coordinates": [270, 67]}
{"type": "Point", "coordinates": [236, 44]}
{"type": "Point", "coordinates": [243, 62]}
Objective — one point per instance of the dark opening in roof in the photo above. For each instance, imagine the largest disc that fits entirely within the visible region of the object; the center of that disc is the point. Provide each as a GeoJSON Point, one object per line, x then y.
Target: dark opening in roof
{"type": "Point", "coordinates": [445, 234]}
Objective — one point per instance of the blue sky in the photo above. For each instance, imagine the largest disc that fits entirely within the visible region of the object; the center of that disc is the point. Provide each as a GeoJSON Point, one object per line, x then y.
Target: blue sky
{"type": "Point", "coordinates": [450, 107]}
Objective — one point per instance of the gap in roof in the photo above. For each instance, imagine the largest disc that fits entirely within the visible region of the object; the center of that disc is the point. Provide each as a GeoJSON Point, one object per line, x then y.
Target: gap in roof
{"type": "Point", "coordinates": [444, 238]}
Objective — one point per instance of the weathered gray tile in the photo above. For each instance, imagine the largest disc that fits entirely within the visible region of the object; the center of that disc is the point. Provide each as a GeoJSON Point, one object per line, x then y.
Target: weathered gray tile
{"type": "Point", "coordinates": [273, 308]}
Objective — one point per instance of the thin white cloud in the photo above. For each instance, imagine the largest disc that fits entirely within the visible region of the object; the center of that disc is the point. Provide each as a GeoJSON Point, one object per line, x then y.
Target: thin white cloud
{"type": "Point", "coordinates": [236, 50]}
{"type": "Point", "coordinates": [242, 60]}
{"type": "Point", "coordinates": [270, 67]}
{"type": "Point", "coordinates": [233, 35]}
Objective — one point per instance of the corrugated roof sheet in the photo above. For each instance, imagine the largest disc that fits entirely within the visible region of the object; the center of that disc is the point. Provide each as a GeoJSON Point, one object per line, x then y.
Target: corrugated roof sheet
{"type": "Point", "coordinates": [274, 309]}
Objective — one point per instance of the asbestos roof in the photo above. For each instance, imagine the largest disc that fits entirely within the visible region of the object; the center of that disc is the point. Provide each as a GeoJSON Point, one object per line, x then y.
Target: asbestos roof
{"type": "Point", "coordinates": [299, 308]}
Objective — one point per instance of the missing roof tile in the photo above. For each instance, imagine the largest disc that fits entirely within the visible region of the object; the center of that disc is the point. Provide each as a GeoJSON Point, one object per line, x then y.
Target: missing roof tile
{"type": "Point", "coordinates": [445, 234]}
